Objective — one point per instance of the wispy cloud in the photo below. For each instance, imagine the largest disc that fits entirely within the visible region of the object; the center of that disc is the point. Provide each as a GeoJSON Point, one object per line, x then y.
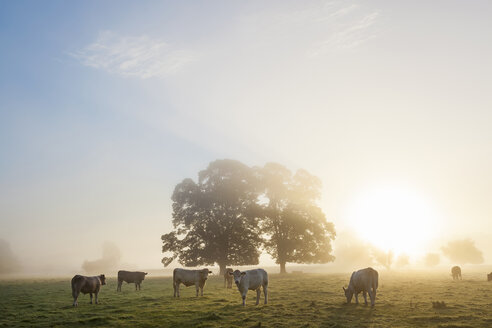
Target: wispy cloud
{"type": "Point", "coordinates": [347, 35]}
{"type": "Point", "coordinates": [319, 26]}
{"type": "Point", "coordinates": [130, 56]}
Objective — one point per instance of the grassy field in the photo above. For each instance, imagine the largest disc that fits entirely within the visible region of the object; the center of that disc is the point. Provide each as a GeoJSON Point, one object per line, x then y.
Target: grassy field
{"type": "Point", "coordinates": [304, 300]}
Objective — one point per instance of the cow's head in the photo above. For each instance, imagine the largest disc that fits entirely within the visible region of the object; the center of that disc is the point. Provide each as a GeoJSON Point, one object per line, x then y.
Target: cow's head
{"type": "Point", "coordinates": [204, 274]}
{"type": "Point", "coordinates": [103, 279]}
{"type": "Point", "coordinates": [348, 293]}
{"type": "Point", "coordinates": [238, 275]}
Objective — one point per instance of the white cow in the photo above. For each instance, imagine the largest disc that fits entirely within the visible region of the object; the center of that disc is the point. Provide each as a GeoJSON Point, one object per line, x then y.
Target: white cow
{"type": "Point", "coordinates": [188, 278]}
{"type": "Point", "coordinates": [365, 280]}
{"type": "Point", "coordinates": [251, 280]}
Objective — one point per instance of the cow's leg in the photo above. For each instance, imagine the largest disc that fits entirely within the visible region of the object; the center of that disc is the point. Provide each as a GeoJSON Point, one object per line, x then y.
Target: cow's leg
{"type": "Point", "coordinates": [356, 298]}
{"type": "Point", "coordinates": [265, 292]}
{"type": "Point", "coordinates": [176, 289]}
{"type": "Point", "coordinates": [136, 286]}
{"type": "Point", "coordinates": [91, 298]}
{"type": "Point", "coordinates": [197, 288]}
{"type": "Point", "coordinates": [365, 296]}
{"type": "Point", "coordinates": [75, 295]}
{"type": "Point", "coordinates": [258, 293]}
{"type": "Point", "coordinates": [97, 300]}
{"type": "Point", "coordinates": [372, 296]}
{"type": "Point", "coordinates": [244, 298]}
{"type": "Point", "coordinates": [225, 282]}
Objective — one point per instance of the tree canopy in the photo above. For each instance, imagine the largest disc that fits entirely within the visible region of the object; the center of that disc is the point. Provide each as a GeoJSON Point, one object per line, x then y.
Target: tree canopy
{"type": "Point", "coordinates": [296, 228]}
{"type": "Point", "coordinates": [233, 210]}
{"type": "Point", "coordinates": [216, 219]}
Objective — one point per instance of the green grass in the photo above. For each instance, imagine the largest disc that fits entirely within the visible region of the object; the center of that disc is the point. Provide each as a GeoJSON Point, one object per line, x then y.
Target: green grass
{"type": "Point", "coordinates": [306, 300]}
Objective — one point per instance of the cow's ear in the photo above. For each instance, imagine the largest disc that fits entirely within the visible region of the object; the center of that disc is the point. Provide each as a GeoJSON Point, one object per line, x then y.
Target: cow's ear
{"type": "Point", "coordinates": [243, 273]}
{"type": "Point", "coordinates": [145, 273]}
{"type": "Point", "coordinates": [210, 272]}
{"type": "Point", "coordinates": [231, 273]}
{"type": "Point", "coordinates": [343, 288]}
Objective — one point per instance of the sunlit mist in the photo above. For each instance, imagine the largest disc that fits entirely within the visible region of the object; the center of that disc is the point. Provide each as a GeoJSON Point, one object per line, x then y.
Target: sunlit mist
{"type": "Point", "coordinates": [394, 219]}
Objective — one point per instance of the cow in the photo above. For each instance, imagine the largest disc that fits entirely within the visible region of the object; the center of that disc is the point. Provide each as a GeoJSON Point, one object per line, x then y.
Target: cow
{"type": "Point", "coordinates": [228, 278]}
{"type": "Point", "coordinates": [365, 281]}
{"type": "Point", "coordinates": [129, 277]}
{"type": "Point", "coordinates": [251, 280]}
{"type": "Point", "coordinates": [489, 277]}
{"type": "Point", "coordinates": [86, 285]}
{"type": "Point", "coordinates": [456, 272]}
{"type": "Point", "coordinates": [188, 278]}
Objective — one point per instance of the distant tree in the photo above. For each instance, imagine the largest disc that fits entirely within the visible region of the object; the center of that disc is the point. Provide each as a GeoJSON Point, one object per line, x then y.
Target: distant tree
{"type": "Point", "coordinates": [110, 260]}
{"type": "Point", "coordinates": [432, 259]}
{"type": "Point", "coordinates": [216, 219]}
{"type": "Point", "coordinates": [463, 252]}
{"type": "Point", "coordinates": [295, 227]}
{"type": "Point", "coordinates": [383, 258]}
{"type": "Point", "coordinates": [9, 263]}
{"type": "Point", "coordinates": [351, 252]}
{"type": "Point", "coordinates": [402, 260]}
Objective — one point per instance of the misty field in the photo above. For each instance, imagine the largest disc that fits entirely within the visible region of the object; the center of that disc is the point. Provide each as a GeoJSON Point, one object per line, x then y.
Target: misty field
{"type": "Point", "coordinates": [302, 300]}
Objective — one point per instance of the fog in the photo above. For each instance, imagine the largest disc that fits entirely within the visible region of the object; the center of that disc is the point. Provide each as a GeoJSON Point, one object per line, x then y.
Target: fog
{"type": "Point", "coordinates": [105, 108]}
{"type": "Point", "coordinates": [109, 262]}
{"type": "Point", "coordinates": [9, 263]}
{"type": "Point", "coordinates": [463, 252]}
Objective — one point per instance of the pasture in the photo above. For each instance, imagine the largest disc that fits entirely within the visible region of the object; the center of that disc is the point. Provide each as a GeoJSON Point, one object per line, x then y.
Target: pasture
{"type": "Point", "coordinates": [295, 300]}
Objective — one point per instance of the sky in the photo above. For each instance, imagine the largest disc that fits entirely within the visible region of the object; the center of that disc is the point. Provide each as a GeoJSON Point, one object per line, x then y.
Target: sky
{"type": "Point", "coordinates": [106, 105]}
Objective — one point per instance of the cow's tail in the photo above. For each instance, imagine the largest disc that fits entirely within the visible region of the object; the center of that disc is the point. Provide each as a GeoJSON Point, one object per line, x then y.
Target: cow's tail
{"type": "Point", "coordinates": [174, 277]}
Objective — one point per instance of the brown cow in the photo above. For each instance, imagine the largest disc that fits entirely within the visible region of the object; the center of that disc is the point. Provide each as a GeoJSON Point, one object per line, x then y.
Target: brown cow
{"type": "Point", "coordinates": [489, 276]}
{"type": "Point", "coordinates": [228, 278]}
{"type": "Point", "coordinates": [129, 277]}
{"type": "Point", "coordinates": [189, 278]}
{"type": "Point", "coordinates": [456, 272]}
{"type": "Point", "coordinates": [86, 285]}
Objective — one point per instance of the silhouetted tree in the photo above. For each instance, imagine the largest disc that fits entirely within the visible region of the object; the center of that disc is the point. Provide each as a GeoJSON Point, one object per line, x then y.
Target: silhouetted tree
{"type": "Point", "coordinates": [216, 219]}
{"type": "Point", "coordinates": [296, 228]}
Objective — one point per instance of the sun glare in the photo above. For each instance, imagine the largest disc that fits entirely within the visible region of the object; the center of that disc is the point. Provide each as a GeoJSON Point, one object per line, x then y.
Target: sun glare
{"type": "Point", "coordinates": [393, 219]}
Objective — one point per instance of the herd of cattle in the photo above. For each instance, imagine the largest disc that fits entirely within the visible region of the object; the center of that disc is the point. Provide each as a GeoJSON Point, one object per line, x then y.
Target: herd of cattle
{"type": "Point", "coordinates": [364, 280]}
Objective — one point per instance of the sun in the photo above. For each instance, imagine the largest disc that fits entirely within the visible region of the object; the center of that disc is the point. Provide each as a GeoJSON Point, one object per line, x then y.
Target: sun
{"type": "Point", "coordinates": [393, 218]}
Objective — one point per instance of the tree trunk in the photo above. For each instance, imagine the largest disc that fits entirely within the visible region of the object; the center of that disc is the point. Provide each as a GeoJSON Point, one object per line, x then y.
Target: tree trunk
{"type": "Point", "coordinates": [222, 267]}
{"type": "Point", "coordinates": [282, 267]}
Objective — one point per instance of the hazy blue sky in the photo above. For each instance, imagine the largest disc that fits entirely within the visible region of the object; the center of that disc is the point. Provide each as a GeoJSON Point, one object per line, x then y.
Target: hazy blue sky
{"type": "Point", "coordinates": [106, 105]}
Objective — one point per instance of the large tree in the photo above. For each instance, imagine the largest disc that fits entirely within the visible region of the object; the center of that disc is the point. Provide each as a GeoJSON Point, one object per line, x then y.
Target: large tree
{"type": "Point", "coordinates": [296, 228]}
{"type": "Point", "coordinates": [216, 219]}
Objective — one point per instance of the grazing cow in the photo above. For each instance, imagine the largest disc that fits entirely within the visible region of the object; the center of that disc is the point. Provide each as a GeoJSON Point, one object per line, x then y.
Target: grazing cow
{"type": "Point", "coordinates": [489, 276]}
{"type": "Point", "coordinates": [365, 281]}
{"type": "Point", "coordinates": [188, 278]}
{"type": "Point", "coordinates": [456, 272]}
{"type": "Point", "coordinates": [129, 277]}
{"type": "Point", "coordinates": [228, 278]}
{"type": "Point", "coordinates": [86, 285]}
{"type": "Point", "coordinates": [251, 280]}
